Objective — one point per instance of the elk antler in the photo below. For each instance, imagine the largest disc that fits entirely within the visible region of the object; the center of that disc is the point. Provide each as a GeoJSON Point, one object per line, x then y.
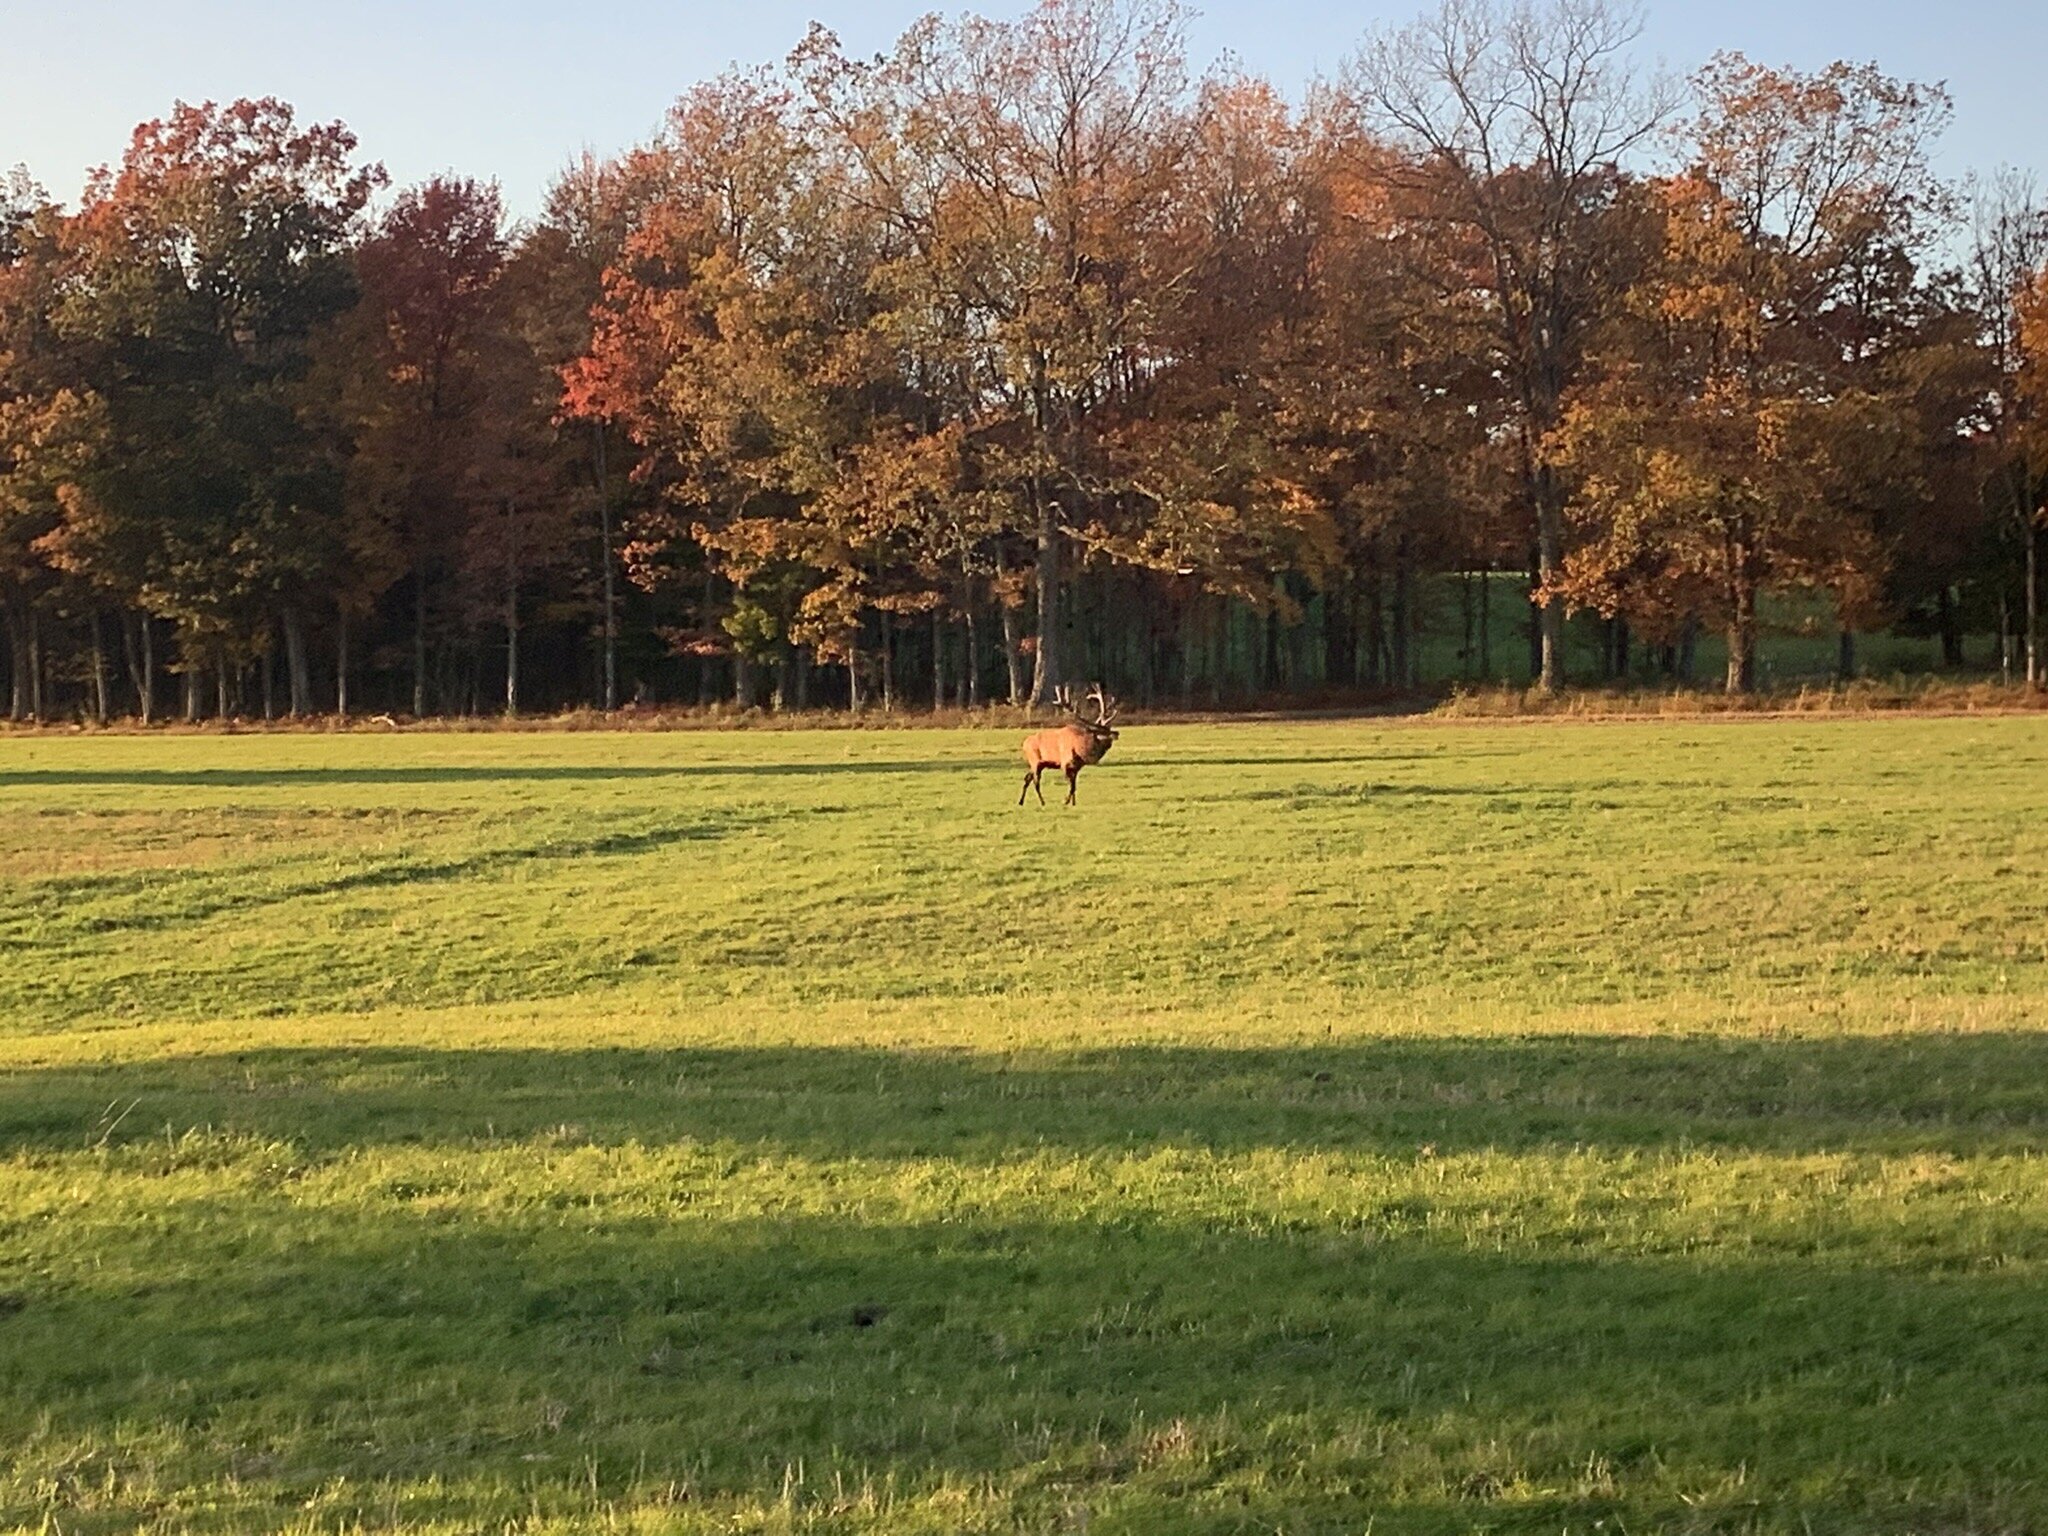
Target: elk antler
{"type": "Point", "coordinates": [1105, 707]}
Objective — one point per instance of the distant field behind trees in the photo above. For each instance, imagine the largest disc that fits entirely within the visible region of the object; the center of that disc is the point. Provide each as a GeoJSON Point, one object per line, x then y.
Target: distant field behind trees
{"type": "Point", "coordinates": [1028, 351]}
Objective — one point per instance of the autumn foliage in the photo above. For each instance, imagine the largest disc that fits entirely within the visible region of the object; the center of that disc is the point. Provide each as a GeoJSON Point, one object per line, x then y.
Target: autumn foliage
{"type": "Point", "coordinates": [1025, 351]}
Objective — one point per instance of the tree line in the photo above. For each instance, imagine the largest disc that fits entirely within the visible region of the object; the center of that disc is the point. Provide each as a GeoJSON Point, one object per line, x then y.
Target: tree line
{"type": "Point", "coordinates": [1022, 352]}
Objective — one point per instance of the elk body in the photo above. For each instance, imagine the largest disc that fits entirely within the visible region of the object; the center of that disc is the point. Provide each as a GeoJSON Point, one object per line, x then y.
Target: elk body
{"type": "Point", "coordinates": [1070, 747]}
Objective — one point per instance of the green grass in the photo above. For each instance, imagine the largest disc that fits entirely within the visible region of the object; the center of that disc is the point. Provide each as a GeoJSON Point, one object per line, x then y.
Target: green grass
{"type": "Point", "coordinates": [1797, 644]}
{"type": "Point", "coordinates": [1321, 1128]}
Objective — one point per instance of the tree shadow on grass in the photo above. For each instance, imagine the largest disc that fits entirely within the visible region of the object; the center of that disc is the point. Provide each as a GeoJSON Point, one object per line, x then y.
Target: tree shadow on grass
{"type": "Point", "coordinates": [568, 773]}
{"type": "Point", "coordinates": [1889, 1093]}
{"type": "Point", "coordinates": [214, 898]}
{"type": "Point", "coordinates": [495, 1315]}
{"type": "Point", "coordinates": [553, 1353]}
{"type": "Point", "coordinates": [1302, 794]}
{"type": "Point", "coordinates": [509, 773]}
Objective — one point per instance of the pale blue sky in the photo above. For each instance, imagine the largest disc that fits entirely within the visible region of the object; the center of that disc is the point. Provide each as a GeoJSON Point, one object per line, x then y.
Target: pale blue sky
{"type": "Point", "coordinates": [511, 90]}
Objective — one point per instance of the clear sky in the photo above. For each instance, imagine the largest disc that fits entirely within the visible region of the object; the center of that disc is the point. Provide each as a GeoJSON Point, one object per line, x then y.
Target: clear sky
{"type": "Point", "coordinates": [513, 89]}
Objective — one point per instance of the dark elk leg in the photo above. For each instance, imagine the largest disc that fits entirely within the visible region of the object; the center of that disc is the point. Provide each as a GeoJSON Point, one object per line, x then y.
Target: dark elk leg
{"type": "Point", "coordinates": [1031, 778]}
{"type": "Point", "coordinates": [1026, 790]}
{"type": "Point", "coordinates": [1073, 783]}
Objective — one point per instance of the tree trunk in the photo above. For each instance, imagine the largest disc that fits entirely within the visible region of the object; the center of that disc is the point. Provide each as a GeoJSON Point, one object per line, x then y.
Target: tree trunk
{"type": "Point", "coordinates": [2031, 618]}
{"type": "Point", "coordinates": [1375, 629]}
{"type": "Point", "coordinates": [192, 684]}
{"type": "Point", "coordinates": [1688, 642]}
{"type": "Point", "coordinates": [1538, 641]}
{"type": "Point", "coordinates": [296, 666]}
{"type": "Point", "coordinates": [511, 607]}
{"type": "Point", "coordinates": [18, 685]}
{"type": "Point", "coordinates": [970, 659]}
{"type": "Point", "coordinates": [446, 680]}
{"type": "Point", "coordinates": [856, 700]}
{"type": "Point", "coordinates": [341, 664]}
{"type": "Point", "coordinates": [1549, 560]}
{"type": "Point", "coordinates": [474, 689]}
{"type": "Point", "coordinates": [512, 652]}
{"type": "Point", "coordinates": [1485, 623]}
{"type": "Point", "coordinates": [223, 707]}
{"type": "Point", "coordinates": [1013, 653]}
{"type": "Point", "coordinates": [419, 641]}
{"type": "Point", "coordinates": [1742, 629]}
{"type": "Point", "coordinates": [101, 680]}
{"type": "Point", "coordinates": [742, 680]}
{"type": "Point", "coordinates": [938, 660]}
{"type": "Point", "coordinates": [17, 665]}
{"type": "Point", "coordinates": [145, 682]}
{"type": "Point", "coordinates": [128, 657]}
{"type": "Point", "coordinates": [1219, 651]}
{"type": "Point", "coordinates": [1044, 671]}
{"type": "Point", "coordinates": [1467, 613]}
{"type": "Point", "coordinates": [268, 662]}
{"type": "Point", "coordinates": [1951, 628]}
{"type": "Point", "coordinates": [888, 664]}
{"type": "Point", "coordinates": [35, 666]}
{"type": "Point", "coordinates": [1845, 655]}
{"type": "Point", "coordinates": [1403, 619]}
{"type": "Point", "coordinates": [611, 601]}
{"type": "Point", "coordinates": [1340, 635]}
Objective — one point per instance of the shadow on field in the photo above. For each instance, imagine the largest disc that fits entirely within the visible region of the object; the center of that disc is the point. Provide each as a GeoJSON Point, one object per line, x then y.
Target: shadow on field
{"type": "Point", "coordinates": [1383, 1371]}
{"type": "Point", "coordinates": [510, 773]}
{"type": "Point", "coordinates": [1224, 757]}
{"type": "Point", "coordinates": [1303, 793]}
{"type": "Point", "coordinates": [625, 1325]}
{"type": "Point", "coordinates": [1883, 1093]}
{"type": "Point", "coordinates": [513, 773]}
{"type": "Point", "coordinates": [203, 905]}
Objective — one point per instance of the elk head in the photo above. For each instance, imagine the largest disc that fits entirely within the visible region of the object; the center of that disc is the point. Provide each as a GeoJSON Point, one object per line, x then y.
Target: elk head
{"type": "Point", "coordinates": [1070, 747]}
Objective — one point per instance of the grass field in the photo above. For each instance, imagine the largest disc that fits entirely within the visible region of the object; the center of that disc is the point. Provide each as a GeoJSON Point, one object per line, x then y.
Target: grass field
{"type": "Point", "coordinates": [1321, 1128]}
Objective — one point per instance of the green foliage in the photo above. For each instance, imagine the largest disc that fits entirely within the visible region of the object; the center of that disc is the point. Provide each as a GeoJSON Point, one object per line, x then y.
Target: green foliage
{"type": "Point", "coordinates": [1537, 1128]}
{"type": "Point", "coordinates": [754, 631]}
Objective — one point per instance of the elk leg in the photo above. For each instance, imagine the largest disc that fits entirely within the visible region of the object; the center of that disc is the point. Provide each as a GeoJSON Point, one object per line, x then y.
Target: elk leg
{"type": "Point", "coordinates": [1026, 790]}
{"type": "Point", "coordinates": [1073, 782]}
{"type": "Point", "coordinates": [1038, 786]}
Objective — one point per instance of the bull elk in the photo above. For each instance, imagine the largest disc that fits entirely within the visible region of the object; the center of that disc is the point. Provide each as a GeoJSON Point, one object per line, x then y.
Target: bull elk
{"type": "Point", "coordinates": [1070, 747]}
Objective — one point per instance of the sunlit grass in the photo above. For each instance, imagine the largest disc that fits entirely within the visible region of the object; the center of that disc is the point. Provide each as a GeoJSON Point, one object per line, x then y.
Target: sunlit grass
{"type": "Point", "coordinates": [1434, 1127]}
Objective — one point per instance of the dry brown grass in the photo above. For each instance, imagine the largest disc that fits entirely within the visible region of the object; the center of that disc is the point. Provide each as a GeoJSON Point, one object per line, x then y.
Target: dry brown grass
{"type": "Point", "coordinates": [1930, 696]}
